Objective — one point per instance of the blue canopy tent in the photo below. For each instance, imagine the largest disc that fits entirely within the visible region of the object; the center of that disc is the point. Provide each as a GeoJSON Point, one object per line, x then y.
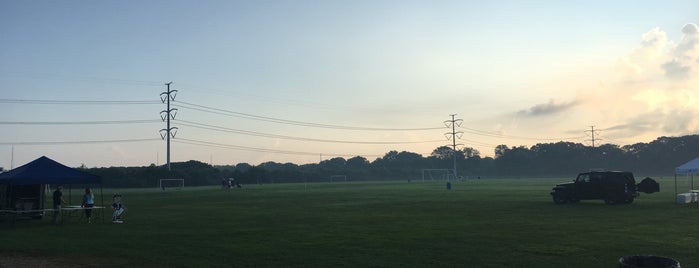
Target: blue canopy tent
{"type": "Point", "coordinates": [25, 184]}
{"type": "Point", "coordinates": [690, 168]}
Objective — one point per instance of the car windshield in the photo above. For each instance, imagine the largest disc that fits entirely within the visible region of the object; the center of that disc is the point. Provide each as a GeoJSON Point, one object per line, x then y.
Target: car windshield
{"type": "Point", "coordinates": [583, 178]}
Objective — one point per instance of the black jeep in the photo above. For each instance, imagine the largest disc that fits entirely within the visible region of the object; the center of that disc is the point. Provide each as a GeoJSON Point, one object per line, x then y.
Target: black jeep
{"type": "Point", "coordinates": [611, 186]}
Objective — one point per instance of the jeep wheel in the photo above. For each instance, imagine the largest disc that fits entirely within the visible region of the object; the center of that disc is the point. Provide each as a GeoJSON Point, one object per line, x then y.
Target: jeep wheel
{"type": "Point", "coordinates": [559, 199]}
{"type": "Point", "coordinates": [610, 199]}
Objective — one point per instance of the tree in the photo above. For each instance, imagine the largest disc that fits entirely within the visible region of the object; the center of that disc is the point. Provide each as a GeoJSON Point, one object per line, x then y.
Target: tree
{"type": "Point", "coordinates": [357, 162]}
{"type": "Point", "coordinates": [257, 174]}
{"type": "Point", "coordinates": [470, 152]}
{"type": "Point", "coordinates": [544, 159]}
{"type": "Point", "coordinates": [333, 164]}
{"type": "Point", "coordinates": [501, 150]}
{"type": "Point", "coordinates": [443, 152]}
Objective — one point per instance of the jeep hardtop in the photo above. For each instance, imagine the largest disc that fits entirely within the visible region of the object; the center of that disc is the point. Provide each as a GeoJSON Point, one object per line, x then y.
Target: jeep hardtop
{"type": "Point", "coordinates": [611, 186]}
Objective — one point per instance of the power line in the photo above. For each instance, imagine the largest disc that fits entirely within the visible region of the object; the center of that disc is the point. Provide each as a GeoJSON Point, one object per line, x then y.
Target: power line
{"type": "Point", "coordinates": [115, 122]}
{"type": "Point", "coordinates": [81, 102]}
{"type": "Point", "coordinates": [288, 122]}
{"type": "Point", "coordinates": [208, 109]}
{"type": "Point", "coordinates": [262, 150]}
{"type": "Point", "coordinates": [498, 135]}
{"type": "Point", "coordinates": [75, 142]}
{"type": "Point", "coordinates": [267, 135]}
{"type": "Point", "coordinates": [227, 92]}
{"type": "Point", "coordinates": [103, 80]}
{"type": "Point", "coordinates": [479, 143]}
{"type": "Point", "coordinates": [613, 140]}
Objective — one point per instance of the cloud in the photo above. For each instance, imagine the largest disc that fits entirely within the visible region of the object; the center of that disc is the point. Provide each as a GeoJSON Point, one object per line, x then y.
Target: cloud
{"type": "Point", "coordinates": [651, 92]}
{"type": "Point", "coordinates": [675, 70]}
{"type": "Point", "coordinates": [654, 91]}
{"type": "Point", "coordinates": [679, 121]}
{"type": "Point", "coordinates": [690, 29]}
{"type": "Point", "coordinates": [655, 38]}
{"type": "Point", "coordinates": [549, 108]}
{"type": "Point", "coordinates": [675, 60]}
{"type": "Point", "coordinates": [688, 44]}
{"type": "Point", "coordinates": [683, 53]}
{"type": "Point", "coordinates": [642, 125]}
{"type": "Point", "coordinates": [629, 130]}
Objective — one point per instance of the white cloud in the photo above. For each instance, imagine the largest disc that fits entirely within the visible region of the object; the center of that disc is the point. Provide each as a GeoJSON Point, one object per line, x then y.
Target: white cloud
{"type": "Point", "coordinates": [657, 55]}
{"type": "Point", "coordinates": [655, 39]}
{"type": "Point", "coordinates": [654, 92]}
{"type": "Point", "coordinates": [684, 53]}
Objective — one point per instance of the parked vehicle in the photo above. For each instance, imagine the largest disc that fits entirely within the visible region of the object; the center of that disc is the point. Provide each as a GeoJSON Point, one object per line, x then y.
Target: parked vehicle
{"type": "Point", "coordinates": [611, 186]}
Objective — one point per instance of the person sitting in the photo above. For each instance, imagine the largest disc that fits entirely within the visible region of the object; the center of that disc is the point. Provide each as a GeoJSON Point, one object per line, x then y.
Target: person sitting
{"type": "Point", "coordinates": [119, 208]}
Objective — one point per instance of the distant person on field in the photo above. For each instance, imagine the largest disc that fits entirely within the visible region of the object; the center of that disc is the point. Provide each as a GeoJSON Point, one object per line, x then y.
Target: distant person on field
{"type": "Point", "coordinates": [88, 203]}
{"type": "Point", "coordinates": [119, 209]}
{"type": "Point", "coordinates": [57, 202]}
{"type": "Point", "coordinates": [223, 183]}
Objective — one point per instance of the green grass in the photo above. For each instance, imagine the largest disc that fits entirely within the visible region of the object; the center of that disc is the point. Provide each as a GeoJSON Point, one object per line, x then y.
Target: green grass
{"type": "Point", "coordinates": [479, 223]}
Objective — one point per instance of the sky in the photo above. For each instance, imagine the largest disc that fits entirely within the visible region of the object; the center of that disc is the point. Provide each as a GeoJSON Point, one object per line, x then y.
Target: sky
{"type": "Point", "coordinates": [306, 81]}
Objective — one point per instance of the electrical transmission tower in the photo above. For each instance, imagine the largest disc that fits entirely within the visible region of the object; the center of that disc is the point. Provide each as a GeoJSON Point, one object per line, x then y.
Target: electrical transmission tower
{"type": "Point", "coordinates": [167, 115]}
{"type": "Point", "coordinates": [453, 123]}
{"type": "Point", "coordinates": [592, 134]}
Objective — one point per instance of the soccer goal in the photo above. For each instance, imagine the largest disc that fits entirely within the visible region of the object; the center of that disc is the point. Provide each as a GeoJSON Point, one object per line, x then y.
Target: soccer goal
{"type": "Point", "coordinates": [436, 174]}
{"type": "Point", "coordinates": [164, 184]}
{"type": "Point", "coordinates": [335, 178]}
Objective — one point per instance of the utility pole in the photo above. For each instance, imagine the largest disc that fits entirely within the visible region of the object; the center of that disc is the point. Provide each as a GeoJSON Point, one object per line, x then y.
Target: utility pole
{"type": "Point", "coordinates": [592, 133]}
{"type": "Point", "coordinates": [453, 123]}
{"type": "Point", "coordinates": [167, 115]}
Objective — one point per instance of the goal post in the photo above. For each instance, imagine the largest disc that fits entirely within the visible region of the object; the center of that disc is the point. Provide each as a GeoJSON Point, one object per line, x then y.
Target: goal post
{"type": "Point", "coordinates": [334, 178]}
{"type": "Point", "coordinates": [437, 174]}
{"type": "Point", "coordinates": [171, 183]}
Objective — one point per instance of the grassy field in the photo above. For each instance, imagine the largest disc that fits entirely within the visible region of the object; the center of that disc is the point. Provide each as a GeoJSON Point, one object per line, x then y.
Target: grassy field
{"type": "Point", "coordinates": [479, 223]}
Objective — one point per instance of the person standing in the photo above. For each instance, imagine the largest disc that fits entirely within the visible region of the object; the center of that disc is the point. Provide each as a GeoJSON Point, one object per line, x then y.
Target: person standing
{"type": "Point", "coordinates": [88, 203]}
{"type": "Point", "coordinates": [57, 202]}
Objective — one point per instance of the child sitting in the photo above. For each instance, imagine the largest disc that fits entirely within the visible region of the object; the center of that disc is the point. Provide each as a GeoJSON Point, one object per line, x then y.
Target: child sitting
{"type": "Point", "coordinates": [118, 208]}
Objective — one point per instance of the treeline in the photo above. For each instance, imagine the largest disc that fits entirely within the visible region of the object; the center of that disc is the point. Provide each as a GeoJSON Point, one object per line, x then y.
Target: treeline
{"type": "Point", "coordinates": [560, 159]}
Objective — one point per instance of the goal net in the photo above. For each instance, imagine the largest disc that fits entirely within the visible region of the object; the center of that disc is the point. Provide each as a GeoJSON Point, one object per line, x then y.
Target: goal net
{"type": "Point", "coordinates": [437, 175]}
{"type": "Point", "coordinates": [171, 184]}
{"type": "Point", "coordinates": [335, 178]}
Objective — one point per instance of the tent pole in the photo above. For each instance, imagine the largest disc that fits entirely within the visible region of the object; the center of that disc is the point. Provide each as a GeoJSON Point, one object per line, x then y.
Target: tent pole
{"type": "Point", "coordinates": [102, 197]}
{"type": "Point", "coordinates": [10, 201]}
{"type": "Point", "coordinates": [675, 187]}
